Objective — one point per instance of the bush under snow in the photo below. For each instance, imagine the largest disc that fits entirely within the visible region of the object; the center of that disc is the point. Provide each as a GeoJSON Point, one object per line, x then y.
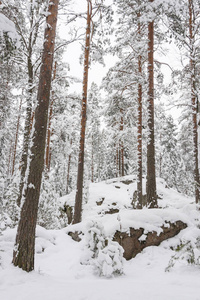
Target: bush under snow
{"type": "Point", "coordinates": [101, 252]}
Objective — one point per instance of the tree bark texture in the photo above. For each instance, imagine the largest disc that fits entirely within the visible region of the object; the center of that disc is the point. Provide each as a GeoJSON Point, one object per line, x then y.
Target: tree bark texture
{"type": "Point", "coordinates": [23, 255]}
{"type": "Point", "coordinates": [49, 132]}
{"type": "Point", "coordinates": [151, 176]}
{"type": "Point", "coordinates": [139, 133]}
{"type": "Point", "coordinates": [29, 113]}
{"type": "Point", "coordinates": [194, 101]}
{"type": "Point", "coordinates": [79, 189]}
{"type": "Point", "coordinates": [27, 128]}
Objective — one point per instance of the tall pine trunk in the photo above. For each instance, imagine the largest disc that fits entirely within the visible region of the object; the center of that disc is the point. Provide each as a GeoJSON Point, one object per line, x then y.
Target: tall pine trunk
{"type": "Point", "coordinates": [23, 254]}
{"type": "Point", "coordinates": [79, 188]}
{"type": "Point", "coordinates": [139, 131]}
{"type": "Point", "coordinates": [151, 176]}
{"type": "Point", "coordinates": [49, 131]}
{"type": "Point", "coordinates": [194, 101]}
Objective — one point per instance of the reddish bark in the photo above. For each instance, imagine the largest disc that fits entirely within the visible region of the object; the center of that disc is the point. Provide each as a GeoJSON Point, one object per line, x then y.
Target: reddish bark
{"type": "Point", "coordinates": [139, 130]}
{"type": "Point", "coordinates": [23, 254]}
{"type": "Point", "coordinates": [79, 190]}
{"type": "Point", "coordinates": [49, 132]}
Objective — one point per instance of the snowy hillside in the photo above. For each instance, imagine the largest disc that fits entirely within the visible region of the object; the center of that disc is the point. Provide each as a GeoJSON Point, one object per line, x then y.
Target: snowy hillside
{"type": "Point", "coordinates": [59, 274]}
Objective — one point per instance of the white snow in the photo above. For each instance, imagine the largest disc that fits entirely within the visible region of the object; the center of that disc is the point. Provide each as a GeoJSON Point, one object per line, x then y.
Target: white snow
{"type": "Point", "coordinates": [59, 275]}
{"type": "Point", "coordinates": [8, 26]}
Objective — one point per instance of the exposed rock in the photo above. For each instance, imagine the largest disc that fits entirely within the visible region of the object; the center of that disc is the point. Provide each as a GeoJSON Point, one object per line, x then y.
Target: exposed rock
{"type": "Point", "coordinates": [75, 235]}
{"type": "Point", "coordinates": [128, 181]}
{"type": "Point", "coordinates": [100, 201]}
{"type": "Point", "coordinates": [132, 244]}
{"type": "Point", "coordinates": [112, 211]}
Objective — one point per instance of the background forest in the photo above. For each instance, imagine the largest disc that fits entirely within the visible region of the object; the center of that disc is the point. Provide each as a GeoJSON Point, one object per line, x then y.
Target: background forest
{"type": "Point", "coordinates": [142, 119]}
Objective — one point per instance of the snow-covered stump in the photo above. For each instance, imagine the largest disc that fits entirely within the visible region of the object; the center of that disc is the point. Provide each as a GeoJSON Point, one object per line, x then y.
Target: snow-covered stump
{"type": "Point", "coordinates": [135, 241]}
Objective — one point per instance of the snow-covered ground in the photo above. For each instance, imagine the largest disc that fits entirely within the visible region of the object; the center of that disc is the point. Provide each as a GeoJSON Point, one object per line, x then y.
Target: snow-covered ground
{"type": "Point", "coordinates": [59, 275]}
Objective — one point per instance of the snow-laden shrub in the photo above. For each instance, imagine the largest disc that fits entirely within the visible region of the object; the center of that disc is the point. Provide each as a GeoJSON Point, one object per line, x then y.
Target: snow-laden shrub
{"type": "Point", "coordinates": [49, 214]}
{"type": "Point", "coordinates": [187, 253]}
{"type": "Point", "coordinates": [9, 211]}
{"type": "Point", "coordinates": [101, 252]}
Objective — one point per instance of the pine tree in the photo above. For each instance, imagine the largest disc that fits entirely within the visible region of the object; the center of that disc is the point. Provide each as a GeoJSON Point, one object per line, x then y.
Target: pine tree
{"type": "Point", "coordinates": [183, 22]}
{"type": "Point", "coordinates": [97, 52]}
{"type": "Point", "coordinates": [23, 255]}
{"type": "Point", "coordinates": [151, 175]}
{"type": "Point", "coordinates": [79, 190]}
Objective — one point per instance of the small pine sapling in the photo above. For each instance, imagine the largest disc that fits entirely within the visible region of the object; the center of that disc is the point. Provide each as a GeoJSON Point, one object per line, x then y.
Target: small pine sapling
{"type": "Point", "coordinates": [101, 252]}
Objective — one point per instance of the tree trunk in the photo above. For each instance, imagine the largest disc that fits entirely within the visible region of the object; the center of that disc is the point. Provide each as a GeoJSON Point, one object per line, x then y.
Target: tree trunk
{"type": "Point", "coordinates": [151, 176]}
{"type": "Point", "coordinates": [139, 132]}
{"type": "Point", "coordinates": [27, 128]}
{"type": "Point", "coordinates": [68, 168]}
{"type": "Point", "coordinates": [16, 137]}
{"type": "Point", "coordinates": [121, 144]}
{"type": "Point", "coordinates": [79, 189]}
{"type": "Point", "coordinates": [117, 161]}
{"type": "Point", "coordinates": [29, 114]}
{"type": "Point", "coordinates": [92, 160]}
{"type": "Point", "coordinates": [23, 254]}
{"type": "Point", "coordinates": [48, 155]}
{"type": "Point", "coordinates": [194, 101]}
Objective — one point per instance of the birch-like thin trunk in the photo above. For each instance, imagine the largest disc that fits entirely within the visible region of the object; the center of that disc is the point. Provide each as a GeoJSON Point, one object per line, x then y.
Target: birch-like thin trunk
{"type": "Point", "coordinates": [16, 137]}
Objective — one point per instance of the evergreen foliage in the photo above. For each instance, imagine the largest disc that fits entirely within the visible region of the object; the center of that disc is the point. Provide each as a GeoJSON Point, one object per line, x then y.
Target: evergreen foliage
{"type": "Point", "coordinates": [101, 252]}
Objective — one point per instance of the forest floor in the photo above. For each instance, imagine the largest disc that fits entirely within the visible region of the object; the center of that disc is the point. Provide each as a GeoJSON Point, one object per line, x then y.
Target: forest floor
{"type": "Point", "coordinates": [59, 275]}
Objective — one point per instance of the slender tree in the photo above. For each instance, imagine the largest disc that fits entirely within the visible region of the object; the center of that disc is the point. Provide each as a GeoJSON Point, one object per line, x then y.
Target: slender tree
{"type": "Point", "coordinates": [151, 176]}
{"type": "Point", "coordinates": [29, 40]}
{"type": "Point", "coordinates": [16, 137]}
{"type": "Point", "coordinates": [49, 130]}
{"type": "Point", "coordinates": [139, 128]}
{"type": "Point", "coordinates": [194, 100]}
{"type": "Point", "coordinates": [184, 23]}
{"type": "Point", "coordinates": [79, 188]}
{"type": "Point", "coordinates": [23, 255]}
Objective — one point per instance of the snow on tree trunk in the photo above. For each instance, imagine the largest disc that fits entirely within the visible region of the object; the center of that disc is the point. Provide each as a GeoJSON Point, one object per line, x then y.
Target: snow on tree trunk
{"type": "Point", "coordinates": [23, 255]}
